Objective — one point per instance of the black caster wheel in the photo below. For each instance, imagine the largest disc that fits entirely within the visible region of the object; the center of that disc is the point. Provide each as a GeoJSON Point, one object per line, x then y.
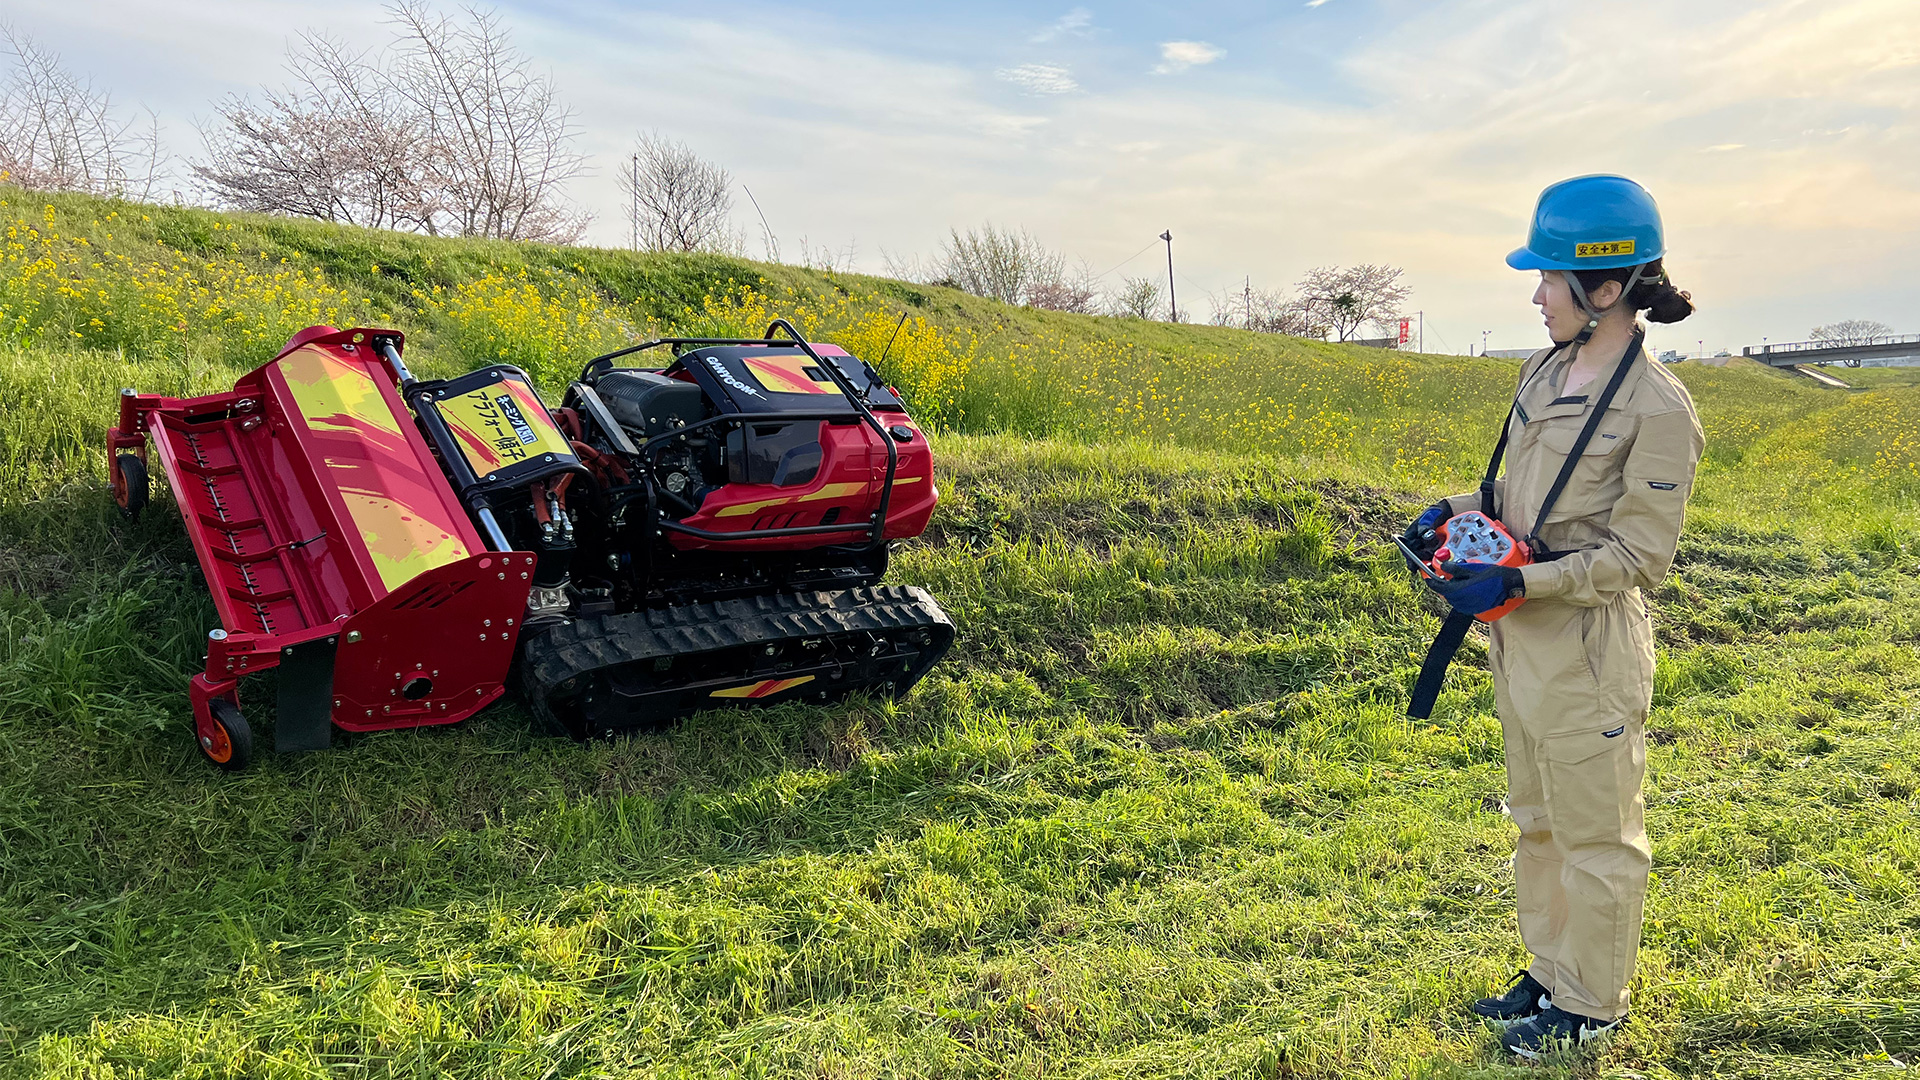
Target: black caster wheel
{"type": "Point", "coordinates": [225, 740]}
{"type": "Point", "coordinates": [130, 485]}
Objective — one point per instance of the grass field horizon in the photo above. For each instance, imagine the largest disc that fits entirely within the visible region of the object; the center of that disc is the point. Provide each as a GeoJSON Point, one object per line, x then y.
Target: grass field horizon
{"type": "Point", "coordinates": [1160, 814]}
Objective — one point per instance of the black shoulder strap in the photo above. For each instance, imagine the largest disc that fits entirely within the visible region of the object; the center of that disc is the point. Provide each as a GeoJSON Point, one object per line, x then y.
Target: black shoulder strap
{"type": "Point", "coordinates": [1586, 436]}
{"type": "Point", "coordinates": [1500, 447]}
{"type": "Point", "coordinates": [1433, 670]}
{"type": "Point", "coordinates": [1453, 631]}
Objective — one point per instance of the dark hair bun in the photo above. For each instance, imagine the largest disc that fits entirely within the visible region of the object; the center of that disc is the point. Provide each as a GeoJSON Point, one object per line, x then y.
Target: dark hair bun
{"type": "Point", "coordinates": [1663, 303]}
{"type": "Point", "coordinates": [1656, 296]}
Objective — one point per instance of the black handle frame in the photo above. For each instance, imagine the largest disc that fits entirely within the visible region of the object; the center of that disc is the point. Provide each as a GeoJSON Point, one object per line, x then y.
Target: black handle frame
{"type": "Point", "coordinates": [876, 527]}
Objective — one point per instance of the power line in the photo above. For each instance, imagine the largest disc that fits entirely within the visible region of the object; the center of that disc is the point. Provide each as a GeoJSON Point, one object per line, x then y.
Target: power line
{"type": "Point", "coordinates": [1129, 258]}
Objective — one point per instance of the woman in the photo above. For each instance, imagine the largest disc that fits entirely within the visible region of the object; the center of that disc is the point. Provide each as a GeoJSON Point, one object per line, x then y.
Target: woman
{"type": "Point", "coordinates": [1573, 665]}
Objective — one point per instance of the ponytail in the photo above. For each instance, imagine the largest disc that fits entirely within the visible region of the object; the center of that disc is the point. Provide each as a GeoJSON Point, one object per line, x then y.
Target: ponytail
{"type": "Point", "coordinates": [1653, 293]}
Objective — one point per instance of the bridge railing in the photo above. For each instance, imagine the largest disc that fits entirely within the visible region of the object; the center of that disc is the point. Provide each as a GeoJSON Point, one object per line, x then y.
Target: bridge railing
{"type": "Point", "coordinates": [1822, 346]}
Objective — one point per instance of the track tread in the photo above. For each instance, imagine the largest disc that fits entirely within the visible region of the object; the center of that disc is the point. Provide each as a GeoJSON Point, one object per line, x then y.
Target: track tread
{"type": "Point", "coordinates": [598, 642]}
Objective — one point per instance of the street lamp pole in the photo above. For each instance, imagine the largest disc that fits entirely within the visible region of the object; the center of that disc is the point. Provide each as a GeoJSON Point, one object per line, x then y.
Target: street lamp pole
{"type": "Point", "coordinates": [1483, 341]}
{"type": "Point", "coordinates": [1173, 307]}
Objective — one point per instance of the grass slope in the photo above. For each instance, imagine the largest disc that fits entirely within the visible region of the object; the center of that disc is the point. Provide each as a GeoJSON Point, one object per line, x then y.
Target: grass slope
{"type": "Point", "coordinates": [1159, 815]}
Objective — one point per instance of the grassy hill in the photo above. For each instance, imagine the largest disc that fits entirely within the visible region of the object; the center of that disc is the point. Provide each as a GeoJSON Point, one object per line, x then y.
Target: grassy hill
{"type": "Point", "coordinates": [1159, 815]}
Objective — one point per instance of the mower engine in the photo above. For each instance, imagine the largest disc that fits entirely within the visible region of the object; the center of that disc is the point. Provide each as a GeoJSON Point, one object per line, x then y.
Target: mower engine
{"type": "Point", "coordinates": [709, 532]}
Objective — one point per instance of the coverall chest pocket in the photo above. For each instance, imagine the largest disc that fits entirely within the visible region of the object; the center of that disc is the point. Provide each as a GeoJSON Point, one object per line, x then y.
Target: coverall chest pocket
{"type": "Point", "coordinates": [1596, 482]}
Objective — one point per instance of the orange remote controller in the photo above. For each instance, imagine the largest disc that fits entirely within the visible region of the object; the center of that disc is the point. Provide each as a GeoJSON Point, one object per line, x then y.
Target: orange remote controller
{"type": "Point", "coordinates": [1474, 537]}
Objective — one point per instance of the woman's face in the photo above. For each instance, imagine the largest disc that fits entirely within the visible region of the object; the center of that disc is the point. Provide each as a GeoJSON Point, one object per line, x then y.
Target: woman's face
{"type": "Point", "coordinates": [1558, 309]}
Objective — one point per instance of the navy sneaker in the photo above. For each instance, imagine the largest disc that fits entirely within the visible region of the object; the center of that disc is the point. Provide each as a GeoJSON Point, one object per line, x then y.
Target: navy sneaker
{"type": "Point", "coordinates": [1525, 998]}
{"type": "Point", "coordinates": [1555, 1028]}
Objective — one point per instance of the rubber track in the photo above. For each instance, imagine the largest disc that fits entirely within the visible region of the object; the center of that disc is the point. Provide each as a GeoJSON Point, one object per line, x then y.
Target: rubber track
{"type": "Point", "coordinates": [605, 641]}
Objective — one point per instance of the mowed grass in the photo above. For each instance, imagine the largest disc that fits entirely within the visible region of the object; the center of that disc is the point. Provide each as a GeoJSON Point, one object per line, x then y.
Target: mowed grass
{"type": "Point", "coordinates": [1159, 815]}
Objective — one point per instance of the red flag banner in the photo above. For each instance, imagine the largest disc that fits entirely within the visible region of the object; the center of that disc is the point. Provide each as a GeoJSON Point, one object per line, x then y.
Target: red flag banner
{"type": "Point", "coordinates": [1405, 328]}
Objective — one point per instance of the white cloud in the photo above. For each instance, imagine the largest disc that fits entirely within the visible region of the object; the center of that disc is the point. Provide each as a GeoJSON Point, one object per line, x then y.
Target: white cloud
{"type": "Point", "coordinates": [1178, 56]}
{"type": "Point", "coordinates": [1010, 127]}
{"type": "Point", "coordinates": [1725, 147]}
{"type": "Point", "coordinates": [1040, 79]}
{"type": "Point", "coordinates": [1315, 3]}
{"type": "Point", "coordinates": [1075, 23]}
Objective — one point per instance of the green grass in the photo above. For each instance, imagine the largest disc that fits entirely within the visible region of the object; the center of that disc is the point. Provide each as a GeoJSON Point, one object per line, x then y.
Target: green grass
{"type": "Point", "coordinates": [1159, 815]}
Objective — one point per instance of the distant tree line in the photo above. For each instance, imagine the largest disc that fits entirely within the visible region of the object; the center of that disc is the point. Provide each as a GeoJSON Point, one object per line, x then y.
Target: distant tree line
{"type": "Point", "coordinates": [1328, 301]}
{"type": "Point", "coordinates": [447, 129]}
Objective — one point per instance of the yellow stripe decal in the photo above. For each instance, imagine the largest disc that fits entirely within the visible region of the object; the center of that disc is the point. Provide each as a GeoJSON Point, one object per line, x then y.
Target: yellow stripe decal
{"type": "Point", "coordinates": [830, 491]}
{"type": "Point", "coordinates": [763, 688]}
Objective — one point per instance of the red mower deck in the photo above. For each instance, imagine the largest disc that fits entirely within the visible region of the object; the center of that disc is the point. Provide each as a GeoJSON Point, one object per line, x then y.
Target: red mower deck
{"type": "Point", "coordinates": [332, 546]}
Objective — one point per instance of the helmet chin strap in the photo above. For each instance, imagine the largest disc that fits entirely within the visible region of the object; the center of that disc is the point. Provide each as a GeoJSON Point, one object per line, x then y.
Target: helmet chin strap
{"type": "Point", "coordinates": [1594, 314]}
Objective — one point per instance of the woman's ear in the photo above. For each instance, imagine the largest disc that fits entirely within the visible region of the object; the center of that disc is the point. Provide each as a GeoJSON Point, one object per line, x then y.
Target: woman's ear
{"type": "Point", "coordinates": [1607, 295]}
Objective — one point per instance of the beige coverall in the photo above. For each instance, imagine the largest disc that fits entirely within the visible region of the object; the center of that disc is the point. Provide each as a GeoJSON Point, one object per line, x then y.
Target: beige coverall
{"type": "Point", "coordinates": [1573, 666]}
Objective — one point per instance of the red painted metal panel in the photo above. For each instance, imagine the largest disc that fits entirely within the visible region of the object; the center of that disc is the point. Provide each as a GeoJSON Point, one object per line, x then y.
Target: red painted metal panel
{"type": "Point", "coordinates": [381, 481]}
{"type": "Point", "coordinates": [434, 651]}
{"type": "Point", "coordinates": [853, 469]}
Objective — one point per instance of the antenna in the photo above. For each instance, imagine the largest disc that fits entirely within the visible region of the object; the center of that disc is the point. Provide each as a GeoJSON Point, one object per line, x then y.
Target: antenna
{"type": "Point", "coordinates": [896, 333]}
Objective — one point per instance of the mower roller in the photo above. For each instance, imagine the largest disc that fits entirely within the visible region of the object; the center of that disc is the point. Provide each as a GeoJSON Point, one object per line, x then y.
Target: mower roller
{"type": "Point", "coordinates": [711, 532]}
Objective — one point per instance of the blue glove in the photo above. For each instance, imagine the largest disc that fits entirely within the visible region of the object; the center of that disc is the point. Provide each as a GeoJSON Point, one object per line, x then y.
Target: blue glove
{"type": "Point", "coordinates": [1416, 535]}
{"type": "Point", "coordinates": [1476, 588]}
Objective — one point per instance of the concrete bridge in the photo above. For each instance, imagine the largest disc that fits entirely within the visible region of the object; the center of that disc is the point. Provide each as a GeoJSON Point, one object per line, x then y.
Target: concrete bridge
{"type": "Point", "coordinates": [1905, 348]}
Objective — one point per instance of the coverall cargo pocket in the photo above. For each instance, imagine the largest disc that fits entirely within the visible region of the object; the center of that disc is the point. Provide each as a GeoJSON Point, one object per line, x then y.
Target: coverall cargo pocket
{"type": "Point", "coordinates": [1591, 779]}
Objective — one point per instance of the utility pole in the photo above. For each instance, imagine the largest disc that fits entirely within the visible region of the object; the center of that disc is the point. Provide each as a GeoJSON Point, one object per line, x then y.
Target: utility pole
{"type": "Point", "coordinates": [1483, 341]}
{"type": "Point", "coordinates": [633, 199]}
{"type": "Point", "coordinates": [1173, 307]}
{"type": "Point", "coordinates": [1249, 299]}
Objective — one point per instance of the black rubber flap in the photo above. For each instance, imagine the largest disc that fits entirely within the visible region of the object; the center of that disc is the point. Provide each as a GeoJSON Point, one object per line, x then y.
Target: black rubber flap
{"type": "Point", "coordinates": [305, 719]}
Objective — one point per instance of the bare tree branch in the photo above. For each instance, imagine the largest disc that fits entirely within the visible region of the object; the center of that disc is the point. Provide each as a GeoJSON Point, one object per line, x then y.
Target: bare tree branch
{"type": "Point", "coordinates": [1853, 332]}
{"type": "Point", "coordinates": [1138, 298]}
{"type": "Point", "coordinates": [676, 200]}
{"type": "Point", "coordinates": [1268, 312]}
{"type": "Point", "coordinates": [997, 263]}
{"type": "Point", "coordinates": [1077, 292]}
{"type": "Point", "coordinates": [339, 145]}
{"type": "Point", "coordinates": [57, 133]}
{"type": "Point", "coordinates": [502, 137]}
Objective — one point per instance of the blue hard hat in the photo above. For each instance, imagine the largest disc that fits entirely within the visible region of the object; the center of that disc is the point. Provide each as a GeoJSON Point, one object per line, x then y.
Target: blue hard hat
{"type": "Point", "coordinates": [1592, 223]}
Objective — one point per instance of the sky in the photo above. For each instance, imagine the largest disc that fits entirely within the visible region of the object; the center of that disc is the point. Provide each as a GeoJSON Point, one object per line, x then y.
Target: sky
{"type": "Point", "coordinates": [1781, 138]}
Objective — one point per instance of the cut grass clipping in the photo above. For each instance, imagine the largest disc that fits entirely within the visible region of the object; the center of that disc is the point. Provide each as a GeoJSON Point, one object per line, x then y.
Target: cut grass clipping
{"type": "Point", "coordinates": [1159, 815]}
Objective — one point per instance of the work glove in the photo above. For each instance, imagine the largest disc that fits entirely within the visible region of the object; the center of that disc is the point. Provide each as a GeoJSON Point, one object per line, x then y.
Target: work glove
{"type": "Point", "coordinates": [1476, 588]}
{"type": "Point", "coordinates": [1416, 535]}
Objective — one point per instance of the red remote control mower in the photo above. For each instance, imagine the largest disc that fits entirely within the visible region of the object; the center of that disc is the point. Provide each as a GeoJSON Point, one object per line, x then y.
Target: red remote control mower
{"type": "Point", "coordinates": [709, 532]}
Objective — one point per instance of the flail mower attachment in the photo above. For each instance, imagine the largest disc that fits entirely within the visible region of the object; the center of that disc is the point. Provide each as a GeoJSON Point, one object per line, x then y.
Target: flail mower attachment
{"type": "Point", "coordinates": [711, 532]}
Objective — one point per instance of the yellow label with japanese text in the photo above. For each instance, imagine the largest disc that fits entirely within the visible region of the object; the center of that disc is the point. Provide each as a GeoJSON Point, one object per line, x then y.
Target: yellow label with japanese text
{"type": "Point", "coordinates": [500, 425]}
{"type": "Point", "coordinates": [1603, 250]}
